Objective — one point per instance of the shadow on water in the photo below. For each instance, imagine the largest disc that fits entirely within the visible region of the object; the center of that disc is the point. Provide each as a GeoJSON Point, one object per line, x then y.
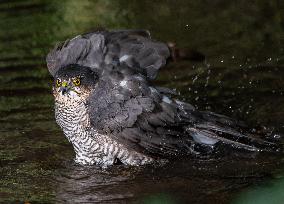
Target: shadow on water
{"type": "Point", "coordinates": [241, 76]}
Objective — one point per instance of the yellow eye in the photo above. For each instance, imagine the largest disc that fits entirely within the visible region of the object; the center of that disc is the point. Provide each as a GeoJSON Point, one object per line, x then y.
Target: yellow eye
{"type": "Point", "coordinates": [77, 81]}
{"type": "Point", "coordinates": [58, 83]}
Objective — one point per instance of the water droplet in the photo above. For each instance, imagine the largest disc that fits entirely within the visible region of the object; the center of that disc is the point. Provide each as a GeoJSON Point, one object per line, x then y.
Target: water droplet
{"type": "Point", "coordinates": [207, 81]}
{"type": "Point", "coordinates": [208, 107]}
{"type": "Point", "coordinates": [195, 78]}
{"type": "Point", "coordinates": [276, 136]}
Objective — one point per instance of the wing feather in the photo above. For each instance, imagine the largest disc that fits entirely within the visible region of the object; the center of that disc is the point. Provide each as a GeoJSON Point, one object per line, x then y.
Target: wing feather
{"type": "Point", "coordinates": [143, 120]}
{"type": "Point", "coordinates": [96, 50]}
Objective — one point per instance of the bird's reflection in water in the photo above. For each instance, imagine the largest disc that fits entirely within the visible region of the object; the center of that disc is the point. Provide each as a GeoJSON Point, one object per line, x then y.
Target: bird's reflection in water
{"type": "Point", "coordinates": [173, 182]}
{"type": "Point", "coordinates": [91, 184]}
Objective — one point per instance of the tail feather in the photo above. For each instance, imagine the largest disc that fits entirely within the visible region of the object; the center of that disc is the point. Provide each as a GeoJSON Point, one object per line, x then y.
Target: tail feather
{"type": "Point", "coordinates": [218, 128]}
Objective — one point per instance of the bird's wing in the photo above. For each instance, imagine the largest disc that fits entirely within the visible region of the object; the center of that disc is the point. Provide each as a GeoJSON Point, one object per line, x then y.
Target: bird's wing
{"type": "Point", "coordinates": [130, 111]}
{"type": "Point", "coordinates": [105, 49]}
{"type": "Point", "coordinates": [137, 50]}
{"type": "Point", "coordinates": [83, 51]}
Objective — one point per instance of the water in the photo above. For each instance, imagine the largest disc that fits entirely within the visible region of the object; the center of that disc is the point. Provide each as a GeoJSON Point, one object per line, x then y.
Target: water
{"type": "Point", "coordinates": [241, 76]}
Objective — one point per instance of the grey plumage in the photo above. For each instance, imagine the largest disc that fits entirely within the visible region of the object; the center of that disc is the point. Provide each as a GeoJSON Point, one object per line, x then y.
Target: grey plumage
{"type": "Point", "coordinates": [115, 113]}
{"type": "Point", "coordinates": [98, 50]}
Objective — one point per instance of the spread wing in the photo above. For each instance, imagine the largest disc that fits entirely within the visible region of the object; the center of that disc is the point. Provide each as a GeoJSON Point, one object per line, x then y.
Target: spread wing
{"type": "Point", "coordinates": [104, 49]}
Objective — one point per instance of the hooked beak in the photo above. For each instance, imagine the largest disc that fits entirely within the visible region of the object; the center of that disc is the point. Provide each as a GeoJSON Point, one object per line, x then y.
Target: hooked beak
{"type": "Point", "coordinates": [64, 88]}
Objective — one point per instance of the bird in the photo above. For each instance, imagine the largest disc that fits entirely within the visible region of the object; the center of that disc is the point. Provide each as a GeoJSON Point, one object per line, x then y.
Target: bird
{"type": "Point", "coordinates": [112, 113]}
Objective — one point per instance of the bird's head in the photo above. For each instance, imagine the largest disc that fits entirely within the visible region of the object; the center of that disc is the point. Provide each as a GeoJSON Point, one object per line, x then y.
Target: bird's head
{"type": "Point", "coordinates": [74, 82]}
